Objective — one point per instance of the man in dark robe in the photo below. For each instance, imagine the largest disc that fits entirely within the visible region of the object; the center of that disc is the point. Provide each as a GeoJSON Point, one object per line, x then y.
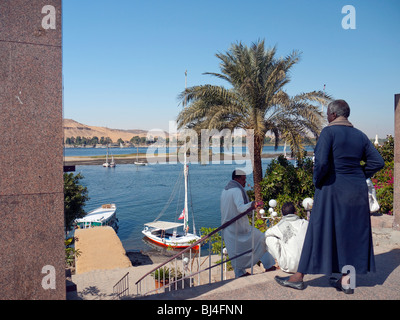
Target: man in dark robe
{"type": "Point", "coordinates": [339, 232]}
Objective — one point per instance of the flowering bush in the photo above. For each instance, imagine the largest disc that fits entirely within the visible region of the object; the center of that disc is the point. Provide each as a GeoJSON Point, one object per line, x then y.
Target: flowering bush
{"type": "Point", "coordinates": [383, 180]}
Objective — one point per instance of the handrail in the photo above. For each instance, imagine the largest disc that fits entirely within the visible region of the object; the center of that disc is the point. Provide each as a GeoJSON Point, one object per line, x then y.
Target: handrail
{"type": "Point", "coordinates": [122, 286]}
{"type": "Point", "coordinates": [208, 268]}
{"type": "Point", "coordinates": [223, 226]}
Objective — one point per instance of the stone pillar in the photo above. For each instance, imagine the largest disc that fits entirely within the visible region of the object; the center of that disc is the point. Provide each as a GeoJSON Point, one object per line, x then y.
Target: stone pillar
{"type": "Point", "coordinates": [396, 191]}
{"type": "Point", "coordinates": [31, 151]}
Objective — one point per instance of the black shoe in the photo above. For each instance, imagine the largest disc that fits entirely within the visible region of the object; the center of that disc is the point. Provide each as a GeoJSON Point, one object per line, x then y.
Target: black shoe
{"type": "Point", "coordinates": [245, 275]}
{"type": "Point", "coordinates": [284, 281]}
{"type": "Point", "coordinates": [337, 283]}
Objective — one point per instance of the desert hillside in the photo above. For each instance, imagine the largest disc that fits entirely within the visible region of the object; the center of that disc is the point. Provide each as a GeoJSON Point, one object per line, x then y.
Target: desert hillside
{"type": "Point", "coordinates": [75, 129]}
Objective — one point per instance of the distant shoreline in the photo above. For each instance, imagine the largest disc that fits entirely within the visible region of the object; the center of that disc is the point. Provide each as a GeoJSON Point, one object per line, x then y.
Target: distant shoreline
{"type": "Point", "coordinates": [130, 159]}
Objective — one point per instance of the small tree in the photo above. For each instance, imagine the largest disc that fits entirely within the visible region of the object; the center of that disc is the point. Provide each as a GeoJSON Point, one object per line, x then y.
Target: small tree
{"type": "Point", "coordinates": [75, 196]}
{"type": "Point", "coordinates": [284, 182]}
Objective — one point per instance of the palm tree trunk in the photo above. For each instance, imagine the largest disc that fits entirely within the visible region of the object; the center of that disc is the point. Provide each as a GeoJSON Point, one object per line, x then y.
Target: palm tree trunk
{"type": "Point", "coordinates": [255, 148]}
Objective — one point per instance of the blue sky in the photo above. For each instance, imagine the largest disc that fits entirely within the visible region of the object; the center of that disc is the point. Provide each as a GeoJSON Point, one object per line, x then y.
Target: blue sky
{"type": "Point", "coordinates": [124, 61]}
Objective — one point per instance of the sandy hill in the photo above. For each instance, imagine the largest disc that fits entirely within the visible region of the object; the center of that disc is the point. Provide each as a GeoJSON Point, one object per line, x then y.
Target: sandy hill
{"type": "Point", "coordinates": [73, 128]}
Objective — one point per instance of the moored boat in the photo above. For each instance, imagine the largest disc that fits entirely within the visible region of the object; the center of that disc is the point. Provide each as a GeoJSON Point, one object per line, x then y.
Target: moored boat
{"type": "Point", "coordinates": [165, 234]}
{"type": "Point", "coordinates": [137, 162]}
{"type": "Point", "coordinates": [102, 216]}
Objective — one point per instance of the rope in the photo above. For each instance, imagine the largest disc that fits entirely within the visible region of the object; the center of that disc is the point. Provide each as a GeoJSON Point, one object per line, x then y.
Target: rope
{"type": "Point", "coordinates": [178, 203]}
{"type": "Point", "coordinates": [170, 198]}
{"type": "Point", "coordinates": [191, 204]}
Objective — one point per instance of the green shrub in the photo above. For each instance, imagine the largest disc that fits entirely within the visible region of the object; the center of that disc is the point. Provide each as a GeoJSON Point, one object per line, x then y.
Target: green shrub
{"type": "Point", "coordinates": [284, 182]}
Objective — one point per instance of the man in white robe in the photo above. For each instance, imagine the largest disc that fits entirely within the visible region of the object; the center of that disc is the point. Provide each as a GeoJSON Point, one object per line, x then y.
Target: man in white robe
{"type": "Point", "coordinates": [238, 236]}
{"type": "Point", "coordinates": [285, 239]}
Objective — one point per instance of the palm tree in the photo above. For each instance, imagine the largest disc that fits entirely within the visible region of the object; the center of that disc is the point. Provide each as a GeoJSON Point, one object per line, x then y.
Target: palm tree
{"type": "Point", "coordinates": [256, 100]}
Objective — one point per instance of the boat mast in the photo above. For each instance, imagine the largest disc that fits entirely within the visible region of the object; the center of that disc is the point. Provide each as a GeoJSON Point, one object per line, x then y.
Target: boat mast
{"type": "Point", "coordinates": [185, 173]}
{"type": "Point", "coordinates": [185, 89]}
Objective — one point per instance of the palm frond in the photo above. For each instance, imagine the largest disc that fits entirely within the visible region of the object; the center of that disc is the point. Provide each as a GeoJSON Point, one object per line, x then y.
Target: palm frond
{"type": "Point", "coordinates": [256, 98]}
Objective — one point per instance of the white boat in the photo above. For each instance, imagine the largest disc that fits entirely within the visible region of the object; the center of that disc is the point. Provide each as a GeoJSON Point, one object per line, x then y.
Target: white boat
{"type": "Point", "coordinates": [112, 163]}
{"type": "Point", "coordinates": [102, 216]}
{"type": "Point", "coordinates": [166, 234]}
{"type": "Point", "coordinates": [137, 162]}
{"type": "Point", "coordinates": [140, 163]}
{"type": "Point", "coordinates": [376, 140]}
{"type": "Point", "coordinates": [284, 153]}
{"type": "Point", "coordinates": [106, 164]}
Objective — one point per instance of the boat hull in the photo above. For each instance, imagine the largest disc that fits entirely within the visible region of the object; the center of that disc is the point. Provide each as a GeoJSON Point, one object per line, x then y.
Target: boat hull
{"type": "Point", "coordinates": [180, 242]}
{"type": "Point", "coordinates": [140, 163]}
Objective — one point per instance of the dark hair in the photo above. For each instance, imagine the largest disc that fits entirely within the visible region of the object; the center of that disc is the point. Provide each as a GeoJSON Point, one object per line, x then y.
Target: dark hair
{"type": "Point", "coordinates": [288, 208]}
{"type": "Point", "coordinates": [340, 107]}
{"type": "Point", "coordinates": [237, 174]}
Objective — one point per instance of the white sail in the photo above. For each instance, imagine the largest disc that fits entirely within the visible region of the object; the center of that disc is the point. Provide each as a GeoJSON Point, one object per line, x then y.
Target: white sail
{"type": "Point", "coordinates": [376, 140]}
{"type": "Point", "coordinates": [185, 172]}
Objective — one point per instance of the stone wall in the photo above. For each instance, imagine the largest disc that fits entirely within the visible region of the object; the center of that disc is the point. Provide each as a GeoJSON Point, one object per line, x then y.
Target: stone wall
{"type": "Point", "coordinates": [396, 191]}
{"type": "Point", "coordinates": [31, 150]}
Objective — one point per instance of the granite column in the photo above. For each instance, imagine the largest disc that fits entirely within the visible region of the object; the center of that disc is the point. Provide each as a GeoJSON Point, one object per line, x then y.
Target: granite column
{"type": "Point", "coordinates": [31, 151]}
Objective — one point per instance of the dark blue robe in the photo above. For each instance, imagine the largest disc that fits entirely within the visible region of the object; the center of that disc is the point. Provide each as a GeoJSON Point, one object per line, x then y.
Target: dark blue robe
{"type": "Point", "coordinates": [339, 231]}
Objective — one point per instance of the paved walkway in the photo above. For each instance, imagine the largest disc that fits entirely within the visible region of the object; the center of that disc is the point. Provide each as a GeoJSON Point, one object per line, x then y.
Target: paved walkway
{"type": "Point", "coordinates": [100, 248]}
{"type": "Point", "coordinates": [382, 285]}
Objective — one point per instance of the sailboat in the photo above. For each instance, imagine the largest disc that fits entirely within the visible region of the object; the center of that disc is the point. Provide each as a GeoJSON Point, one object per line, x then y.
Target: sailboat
{"type": "Point", "coordinates": [285, 154]}
{"type": "Point", "coordinates": [106, 164]}
{"type": "Point", "coordinates": [376, 140]}
{"type": "Point", "coordinates": [284, 151]}
{"type": "Point", "coordinates": [166, 234]}
{"type": "Point", "coordinates": [112, 163]}
{"type": "Point", "coordinates": [137, 162]}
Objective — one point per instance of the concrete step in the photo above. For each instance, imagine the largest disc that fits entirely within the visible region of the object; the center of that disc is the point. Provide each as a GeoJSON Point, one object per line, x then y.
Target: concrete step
{"type": "Point", "coordinates": [382, 285]}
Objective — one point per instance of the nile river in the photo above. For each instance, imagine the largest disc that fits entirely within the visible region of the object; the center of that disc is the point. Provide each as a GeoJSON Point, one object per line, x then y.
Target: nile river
{"type": "Point", "coordinates": [141, 192]}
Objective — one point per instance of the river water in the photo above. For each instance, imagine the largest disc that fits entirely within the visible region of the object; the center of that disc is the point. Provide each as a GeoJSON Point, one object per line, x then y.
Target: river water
{"type": "Point", "coordinates": [142, 192]}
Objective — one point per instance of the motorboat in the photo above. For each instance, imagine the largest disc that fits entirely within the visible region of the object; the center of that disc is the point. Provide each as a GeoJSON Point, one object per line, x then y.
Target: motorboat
{"type": "Point", "coordinates": [102, 216]}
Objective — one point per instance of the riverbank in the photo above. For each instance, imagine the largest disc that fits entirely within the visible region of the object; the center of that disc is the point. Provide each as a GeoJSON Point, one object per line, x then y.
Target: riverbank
{"type": "Point", "coordinates": [162, 158]}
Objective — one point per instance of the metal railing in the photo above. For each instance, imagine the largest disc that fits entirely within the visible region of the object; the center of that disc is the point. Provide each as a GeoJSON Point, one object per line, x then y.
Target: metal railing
{"type": "Point", "coordinates": [121, 288]}
{"type": "Point", "coordinates": [172, 278]}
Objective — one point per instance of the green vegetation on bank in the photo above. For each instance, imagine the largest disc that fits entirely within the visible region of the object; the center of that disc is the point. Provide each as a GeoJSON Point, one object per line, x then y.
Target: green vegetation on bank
{"type": "Point", "coordinates": [93, 141]}
{"type": "Point", "coordinates": [75, 197]}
